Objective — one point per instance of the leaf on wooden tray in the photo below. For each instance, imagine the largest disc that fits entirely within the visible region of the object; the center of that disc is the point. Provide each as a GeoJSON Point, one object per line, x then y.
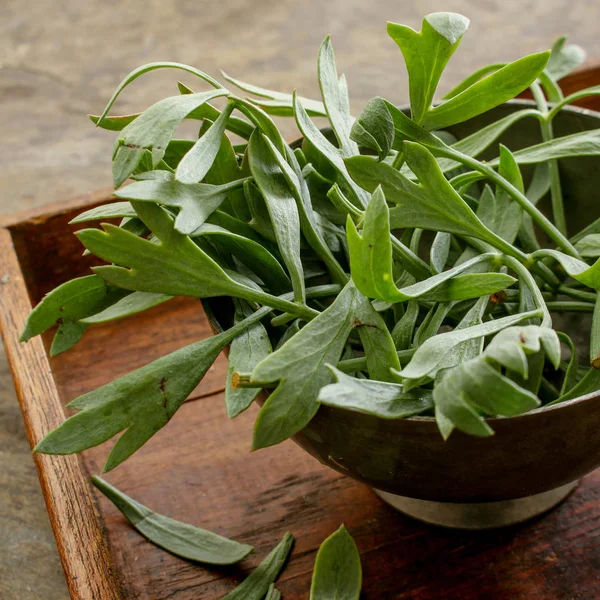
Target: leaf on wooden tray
{"type": "Point", "coordinates": [259, 582]}
{"type": "Point", "coordinates": [273, 593]}
{"type": "Point", "coordinates": [152, 131]}
{"type": "Point", "coordinates": [338, 572]}
{"type": "Point", "coordinates": [371, 265]}
{"type": "Point", "coordinates": [195, 201]}
{"type": "Point", "coordinates": [66, 306]}
{"type": "Point", "coordinates": [281, 205]}
{"type": "Point", "coordinates": [132, 304]}
{"type": "Point", "coordinates": [334, 92]}
{"type": "Point", "coordinates": [245, 351]}
{"type": "Point", "coordinates": [179, 538]}
{"type": "Point", "coordinates": [426, 54]}
{"type": "Point", "coordinates": [478, 385]}
{"type": "Point", "coordinates": [141, 402]}
{"type": "Point", "coordinates": [380, 399]}
{"type": "Point", "coordinates": [495, 89]}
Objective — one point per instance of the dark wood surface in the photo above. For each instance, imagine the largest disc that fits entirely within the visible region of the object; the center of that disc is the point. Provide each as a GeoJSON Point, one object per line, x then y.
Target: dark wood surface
{"type": "Point", "coordinates": [199, 469]}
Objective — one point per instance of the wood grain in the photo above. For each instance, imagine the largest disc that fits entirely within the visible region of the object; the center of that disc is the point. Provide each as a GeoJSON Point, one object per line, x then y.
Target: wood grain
{"type": "Point", "coordinates": [82, 548]}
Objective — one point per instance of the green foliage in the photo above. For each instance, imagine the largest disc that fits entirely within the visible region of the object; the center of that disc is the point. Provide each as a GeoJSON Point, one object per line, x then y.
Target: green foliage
{"type": "Point", "coordinates": [178, 538]}
{"type": "Point", "coordinates": [259, 582]}
{"type": "Point", "coordinates": [338, 572]}
{"type": "Point", "coordinates": [262, 223]}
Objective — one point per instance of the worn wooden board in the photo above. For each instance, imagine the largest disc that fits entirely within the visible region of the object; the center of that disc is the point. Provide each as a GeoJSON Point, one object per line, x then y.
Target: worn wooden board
{"type": "Point", "coordinates": [199, 469]}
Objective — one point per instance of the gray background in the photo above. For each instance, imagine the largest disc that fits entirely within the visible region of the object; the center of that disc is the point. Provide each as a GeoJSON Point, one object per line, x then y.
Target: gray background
{"type": "Point", "coordinates": [60, 60]}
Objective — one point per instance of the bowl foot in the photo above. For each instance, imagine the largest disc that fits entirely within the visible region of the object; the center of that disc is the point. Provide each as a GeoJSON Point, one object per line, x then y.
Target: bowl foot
{"type": "Point", "coordinates": [483, 515]}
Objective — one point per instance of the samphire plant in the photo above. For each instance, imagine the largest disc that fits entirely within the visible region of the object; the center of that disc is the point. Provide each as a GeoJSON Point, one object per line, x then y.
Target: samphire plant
{"type": "Point", "coordinates": [377, 266]}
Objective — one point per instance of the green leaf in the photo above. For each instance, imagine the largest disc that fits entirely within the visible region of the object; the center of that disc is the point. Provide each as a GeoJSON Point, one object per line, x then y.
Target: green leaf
{"type": "Point", "coordinates": [282, 208]}
{"type": "Point", "coordinates": [199, 159]}
{"type": "Point", "coordinates": [495, 89]}
{"type": "Point", "coordinates": [478, 384]}
{"type": "Point", "coordinates": [589, 245]}
{"type": "Point", "coordinates": [564, 59]}
{"type": "Point", "coordinates": [402, 333]}
{"type": "Point", "coordinates": [374, 128]}
{"type": "Point", "coordinates": [595, 335]}
{"type": "Point", "coordinates": [174, 536]}
{"type": "Point", "coordinates": [196, 201]}
{"type": "Point", "coordinates": [282, 101]}
{"type": "Point", "coordinates": [245, 352]}
{"type": "Point", "coordinates": [371, 265]}
{"type": "Point", "coordinates": [428, 357]}
{"type": "Point", "coordinates": [114, 123]}
{"type": "Point", "coordinates": [335, 98]}
{"type": "Point", "coordinates": [153, 67]}
{"type": "Point", "coordinates": [498, 212]}
{"type": "Point", "coordinates": [131, 304]}
{"type": "Point", "coordinates": [262, 121]}
{"type": "Point", "coordinates": [273, 593]}
{"type": "Point", "coordinates": [426, 54]}
{"type": "Point", "coordinates": [473, 78]}
{"type": "Point", "coordinates": [583, 143]}
{"type": "Point", "coordinates": [300, 367]}
{"type": "Point", "coordinates": [433, 205]}
{"type": "Point", "coordinates": [377, 398]}
{"type": "Point", "coordinates": [175, 265]}
{"type": "Point", "coordinates": [575, 268]}
{"type": "Point", "coordinates": [67, 305]}
{"type": "Point", "coordinates": [338, 572]}
{"type": "Point", "coordinates": [376, 341]}
{"type": "Point", "coordinates": [588, 384]}
{"type": "Point", "coordinates": [328, 152]}
{"type": "Point", "coordinates": [440, 249]}
{"type": "Point", "coordinates": [250, 253]}
{"type": "Point", "coordinates": [152, 131]}
{"type": "Point", "coordinates": [474, 144]}
{"type": "Point", "coordinates": [141, 403]}
{"type": "Point", "coordinates": [114, 210]}
{"type": "Point", "coordinates": [585, 93]}
{"type": "Point", "coordinates": [257, 584]}
{"type": "Point", "coordinates": [310, 223]}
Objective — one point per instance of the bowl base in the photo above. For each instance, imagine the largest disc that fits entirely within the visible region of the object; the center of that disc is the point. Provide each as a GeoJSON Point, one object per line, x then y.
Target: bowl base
{"type": "Point", "coordinates": [482, 515]}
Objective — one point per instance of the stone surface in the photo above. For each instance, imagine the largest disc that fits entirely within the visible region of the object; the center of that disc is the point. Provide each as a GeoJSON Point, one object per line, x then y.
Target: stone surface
{"type": "Point", "coordinates": [61, 60]}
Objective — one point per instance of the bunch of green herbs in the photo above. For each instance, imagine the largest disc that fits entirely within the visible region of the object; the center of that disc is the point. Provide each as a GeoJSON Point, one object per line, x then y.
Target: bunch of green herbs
{"type": "Point", "coordinates": [376, 266]}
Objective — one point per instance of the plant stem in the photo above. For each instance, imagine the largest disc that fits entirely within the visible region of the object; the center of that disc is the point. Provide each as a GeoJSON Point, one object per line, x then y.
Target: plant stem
{"type": "Point", "coordinates": [577, 294]}
{"type": "Point", "coordinates": [570, 306]}
{"type": "Point", "coordinates": [560, 240]}
{"type": "Point", "coordinates": [526, 278]}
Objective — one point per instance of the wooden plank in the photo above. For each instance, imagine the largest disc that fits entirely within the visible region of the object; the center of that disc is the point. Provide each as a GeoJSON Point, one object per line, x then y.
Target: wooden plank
{"type": "Point", "coordinates": [82, 548]}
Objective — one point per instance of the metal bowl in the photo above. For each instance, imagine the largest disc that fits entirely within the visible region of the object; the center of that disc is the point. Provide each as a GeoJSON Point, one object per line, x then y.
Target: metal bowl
{"type": "Point", "coordinates": [532, 462]}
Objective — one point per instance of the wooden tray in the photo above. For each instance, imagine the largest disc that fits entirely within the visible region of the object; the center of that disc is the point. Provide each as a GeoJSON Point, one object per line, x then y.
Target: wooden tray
{"type": "Point", "coordinates": [199, 469]}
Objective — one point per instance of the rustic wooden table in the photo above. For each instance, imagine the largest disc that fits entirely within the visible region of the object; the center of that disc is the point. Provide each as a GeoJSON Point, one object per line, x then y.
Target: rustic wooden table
{"type": "Point", "coordinates": [60, 61]}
